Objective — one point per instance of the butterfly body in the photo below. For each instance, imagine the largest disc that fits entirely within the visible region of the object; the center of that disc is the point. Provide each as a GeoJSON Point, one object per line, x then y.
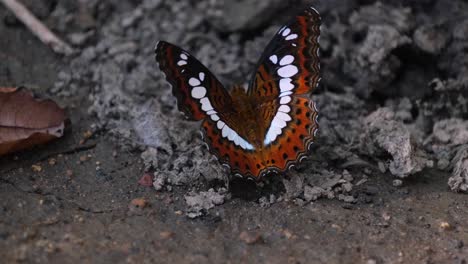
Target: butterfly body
{"type": "Point", "coordinates": [270, 126]}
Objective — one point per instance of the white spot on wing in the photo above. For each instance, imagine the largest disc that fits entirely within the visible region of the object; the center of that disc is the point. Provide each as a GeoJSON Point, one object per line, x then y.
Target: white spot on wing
{"type": "Point", "coordinates": [198, 92]}
{"type": "Point", "coordinates": [214, 117]}
{"type": "Point", "coordinates": [194, 82]}
{"type": "Point", "coordinates": [288, 71]}
{"type": "Point", "coordinates": [220, 124]}
{"type": "Point", "coordinates": [274, 59]}
{"type": "Point", "coordinates": [278, 123]}
{"type": "Point", "coordinates": [201, 76]}
{"type": "Point", "coordinates": [286, 32]}
{"type": "Point", "coordinates": [183, 56]}
{"type": "Point", "coordinates": [225, 131]}
{"type": "Point", "coordinates": [284, 109]}
{"type": "Point", "coordinates": [181, 63]}
{"type": "Point", "coordinates": [206, 105]}
{"type": "Point", "coordinates": [292, 36]}
{"type": "Point", "coordinates": [285, 100]}
{"type": "Point", "coordinates": [286, 85]}
{"type": "Point", "coordinates": [283, 116]}
{"type": "Point", "coordinates": [288, 59]}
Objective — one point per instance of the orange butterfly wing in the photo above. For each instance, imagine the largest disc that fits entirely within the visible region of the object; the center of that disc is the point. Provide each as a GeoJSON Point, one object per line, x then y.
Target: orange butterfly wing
{"type": "Point", "coordinates": [269, 128]}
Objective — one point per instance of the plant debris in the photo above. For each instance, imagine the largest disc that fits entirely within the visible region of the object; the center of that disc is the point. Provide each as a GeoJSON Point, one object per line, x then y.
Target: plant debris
{"type": "Point", "coordinates": [26, 122]}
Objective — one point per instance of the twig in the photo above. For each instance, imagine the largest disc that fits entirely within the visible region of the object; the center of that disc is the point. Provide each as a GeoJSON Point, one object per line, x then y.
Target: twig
{"type": "Point", "coordinates": [37, 27]}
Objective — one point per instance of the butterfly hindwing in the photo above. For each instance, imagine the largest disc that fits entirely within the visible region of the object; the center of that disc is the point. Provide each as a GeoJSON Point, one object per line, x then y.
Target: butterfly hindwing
{"type": "Point", "coordinates": [290, 148]}
{"type": "Point", "coordinates": [199, 94]}
{"type": "Point", "coordinates": [287, 72]}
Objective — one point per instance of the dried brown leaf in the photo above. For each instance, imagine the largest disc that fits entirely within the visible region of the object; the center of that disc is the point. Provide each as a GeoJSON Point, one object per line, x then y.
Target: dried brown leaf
{"type": "Point", "coordinates": [26, 121]}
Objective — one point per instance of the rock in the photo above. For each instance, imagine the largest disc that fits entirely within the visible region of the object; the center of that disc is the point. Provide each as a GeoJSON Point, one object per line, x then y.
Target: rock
{"type": "Point", "coordinates": [461, 30]}
{"type": "Point", "coordinates": [202, 201]}
{"type": "Point", "coordinates": [293, 186]}
{"type": "Point", "coordinates": [431, 38]}
{"type": "Point", "coordinates": [383, 132]}
{"type": "Point", "coordinates": [451, 131]}
{"type": "Point", "coordinates": [346, 198]}
{"type": "Point", "coordinates": [244, 14]}
{"type": "Point", "coordinates": [459, 180]}
{"type": "Point", "coordinates": [382, 14]}
{"type": "Point", "coordinates": [159, 181]}
{"type": "Point", "coordinates": [376, 48]}
{"type": "Point", "coordinates": [313, 193]}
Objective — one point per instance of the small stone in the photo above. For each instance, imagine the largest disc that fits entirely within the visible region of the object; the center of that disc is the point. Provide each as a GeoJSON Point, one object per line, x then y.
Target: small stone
{"type": "Point", "coordinates": [79, 38]}
{"type": "Point", "coordinates": [443, 164]}
{"type": "Point", "coordinates": [69, 173]}
{"type": "Point", "coordinates": [299, 202]}
{"type": "Point", "coordinates": [250, 237]}
{"type": "Point", "coordinates": [87, 134]}
{"type": "Point", "coordinates": [382, 167]}
{"type": "Point", "coordinates": [386, 216]}
{"type": "Point", "coordinates": [430, 38]}
{"type": "Point", "coordinates": [445, 226]}
{"type": "Point", "coordinates": [36, 168]}
{"type": "Point", "coordinates": [313, 193]}
{"type": "Point", "coordinates": [83, 158]}
{"type": "Point", "coordinates": [139, 202]}
{"type": "Point", "coordinates": [346, 198]}
{"type": "Point", "coordinates": [52, 161]}
{"type": "Point", "coordinates": [288, 234]}
{"type": "Point", "coordinates": [166, 234]}
{"type": "Point", "coordinates": [347, 176]}
{"type": "Point", "coordinates": [146, 180]}
{"type": "Point", "coordinates": [397, 183]}
{"type": "Point", "coordinates": [347, 187]}
{"type": "Point", "coordinates": [159, 181]}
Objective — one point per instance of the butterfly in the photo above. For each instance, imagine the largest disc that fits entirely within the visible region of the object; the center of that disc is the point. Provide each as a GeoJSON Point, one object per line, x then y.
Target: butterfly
{"type": "Point", "coordinates": [269, 127]}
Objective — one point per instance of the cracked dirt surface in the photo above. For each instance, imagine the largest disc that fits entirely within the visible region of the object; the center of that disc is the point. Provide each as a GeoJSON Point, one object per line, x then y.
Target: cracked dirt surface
{"type": "Point", "coordinates": [343, 205]}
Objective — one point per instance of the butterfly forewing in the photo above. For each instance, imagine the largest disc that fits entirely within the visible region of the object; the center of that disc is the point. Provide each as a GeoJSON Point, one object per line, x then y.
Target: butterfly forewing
{"type": "Point", "coordinates": [290, 62]}
{"type": "Point", "coordinates": [199, 94]}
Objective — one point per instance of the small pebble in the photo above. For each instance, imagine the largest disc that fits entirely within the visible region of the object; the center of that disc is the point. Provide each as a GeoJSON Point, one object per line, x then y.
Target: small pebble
{"type": "Point", "coordinates": [397, 183]}
{"type": "Point", "coordinates": [166, 234]}
{"type": "Point", "coordinates": [139, 202]}
{"type": "Point", "coordinates": [36, 168]}
{"type": "Point", "coordinates": [445, 226]}
{"type": "Point", "coordinates": [250, 237]}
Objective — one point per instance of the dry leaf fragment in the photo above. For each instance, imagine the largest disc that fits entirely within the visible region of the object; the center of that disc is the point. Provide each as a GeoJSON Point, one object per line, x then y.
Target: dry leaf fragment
{"type": "Point", "coordinates": [26, 121]}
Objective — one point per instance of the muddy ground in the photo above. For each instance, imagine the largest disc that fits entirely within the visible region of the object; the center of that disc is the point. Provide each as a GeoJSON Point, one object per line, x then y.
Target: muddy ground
{"type": "Point", "coordinates": [386, 181]}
